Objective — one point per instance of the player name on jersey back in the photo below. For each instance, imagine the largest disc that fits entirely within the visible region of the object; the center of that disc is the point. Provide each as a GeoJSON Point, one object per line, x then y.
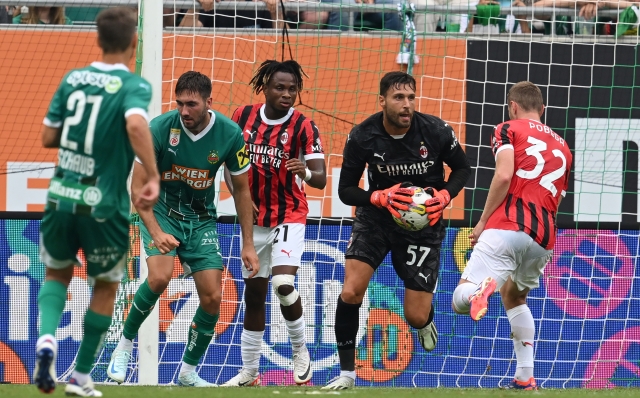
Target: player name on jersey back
{"type": "Point", "coordinates": [542, 163]}
{"type": "Point", "coordinates": [545, 129]}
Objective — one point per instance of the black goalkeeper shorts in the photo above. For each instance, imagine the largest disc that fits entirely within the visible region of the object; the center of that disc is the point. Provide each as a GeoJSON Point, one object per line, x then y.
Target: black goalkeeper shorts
{"type": "Point", "coordinates": [416, 263]}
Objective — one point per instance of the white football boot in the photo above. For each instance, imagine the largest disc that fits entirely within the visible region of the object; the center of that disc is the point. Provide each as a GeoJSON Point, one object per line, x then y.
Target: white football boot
{"type": "Point", "coordinates": [117, 370]}
{"type": "Point", "coordinates": [244, 378]}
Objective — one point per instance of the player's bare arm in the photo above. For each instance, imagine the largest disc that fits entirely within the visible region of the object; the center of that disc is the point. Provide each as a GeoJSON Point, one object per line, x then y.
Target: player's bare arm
{"type": "Point", "coordinates": [50, 136]}
{"type": "Point", "coordinates": [163, 241]}
{"type": "Point", "coordinates": [229, 181]}
{"type": "Point", "coordinates": [245, 208]}
{"type": "Point", "coordinates": [317, 171]}
{"type": "Point", "coordinates": [146, 195]}
{"type": "Point", "coordinates": [497, 191]}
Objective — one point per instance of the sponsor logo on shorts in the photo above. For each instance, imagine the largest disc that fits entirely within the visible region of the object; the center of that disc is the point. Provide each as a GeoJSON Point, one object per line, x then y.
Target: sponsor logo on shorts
{"type": "Point", "coordinates": [210, 239]}
{"type": "Point", "coordinates": [288, 253]}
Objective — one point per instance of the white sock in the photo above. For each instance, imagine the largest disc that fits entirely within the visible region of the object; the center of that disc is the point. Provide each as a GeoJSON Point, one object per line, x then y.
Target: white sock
{"type": "Point", "coordinates": [81, 378]}
{"type": "Point", "coordinates": [47, 341]}
{"type": "Point", "coordinates": [348, 373]}
{"type": "Point", "coordinates": [251, 350]}
{"type": "Point", "coordinates": [461, 297]}
{"type": "Point", "coordinates": [297, 333]}
{"type": "Point", "coordinates": [186, 368]}
{"type": "Point", "coordinates": [523, 332]}
{"type": "Point", "coordinates": [125, 344]}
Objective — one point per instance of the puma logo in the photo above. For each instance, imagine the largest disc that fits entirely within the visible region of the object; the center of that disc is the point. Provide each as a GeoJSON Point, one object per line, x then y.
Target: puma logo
{"type": "Point", "coordinates": [526, 343]}
{"type": "Point", "coordinates": [288, 253]}
{"type": "Point", "coordinates": [426, 278]}
{"type": "Point", "coordinates": [251, 133]}
{"type": "Point", "coordinates": [174, 151]}
{"type": "Point", "coordinates": [377, 155]}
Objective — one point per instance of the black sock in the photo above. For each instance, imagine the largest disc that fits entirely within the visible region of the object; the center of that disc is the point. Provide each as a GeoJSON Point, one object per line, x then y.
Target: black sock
{"type": "Point", "coordinates": [346, 329]}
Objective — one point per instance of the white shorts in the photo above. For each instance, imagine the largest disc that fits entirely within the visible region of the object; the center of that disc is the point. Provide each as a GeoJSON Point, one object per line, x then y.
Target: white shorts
{"type": "Point", "coordinates": [281, 245]}
{"type": "Point", "coordinates": [502, 254]}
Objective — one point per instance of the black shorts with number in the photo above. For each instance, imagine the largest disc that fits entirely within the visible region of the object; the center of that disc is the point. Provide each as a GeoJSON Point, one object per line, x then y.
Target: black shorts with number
{"type": "Point", "coordinates": [415, 261]}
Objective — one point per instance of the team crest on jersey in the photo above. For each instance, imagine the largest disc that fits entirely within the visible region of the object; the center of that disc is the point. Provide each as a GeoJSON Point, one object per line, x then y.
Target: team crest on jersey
{"type": "Point", "coordinates": [284, 137]}
{"type": "Point", "coordinates": [213, 157]}
{"type": "Point", "coordinates": [174, 137]}
{"type": "Point", "coordinates": [423, 152]}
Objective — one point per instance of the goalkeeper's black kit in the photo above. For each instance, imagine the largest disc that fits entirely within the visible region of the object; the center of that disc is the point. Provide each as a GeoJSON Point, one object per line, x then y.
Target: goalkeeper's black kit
{"type": "Point", "coordinates": [418, 158]}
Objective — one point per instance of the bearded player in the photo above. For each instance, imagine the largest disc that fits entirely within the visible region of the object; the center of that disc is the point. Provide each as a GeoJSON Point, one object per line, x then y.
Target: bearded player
{"type": "Point", "coordinates": [514, 239]}
{"type": "Point", "coordinates": [286, 154]}
{"type": "Point", "coordinates": [191, 143]}
{"type": "Point", "coordinates": [397, 145]}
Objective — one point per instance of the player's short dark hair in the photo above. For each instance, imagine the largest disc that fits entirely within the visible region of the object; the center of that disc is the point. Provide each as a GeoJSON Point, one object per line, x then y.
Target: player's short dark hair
{"type": "Point", "coordinates": [268, 68]}
{"type": "Point", "coordinates": [116, 28]}
{"type": "Point", "coordinates": [396, 80]}
{"type": "Point", "coordinates": [527, 95]}
{"type": "Point", "coordinates": [194, 82]}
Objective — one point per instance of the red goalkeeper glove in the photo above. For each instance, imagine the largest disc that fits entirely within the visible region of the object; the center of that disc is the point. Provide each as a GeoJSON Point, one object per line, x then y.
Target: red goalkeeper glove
{"type": "Point", "coordinates": [393, 199]}
{"type": "Point", "coordinates": [440, 199]}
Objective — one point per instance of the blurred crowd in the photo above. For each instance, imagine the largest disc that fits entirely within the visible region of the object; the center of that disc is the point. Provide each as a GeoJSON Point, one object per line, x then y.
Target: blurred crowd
{"type": "Point", "coordinates": [479, 16]}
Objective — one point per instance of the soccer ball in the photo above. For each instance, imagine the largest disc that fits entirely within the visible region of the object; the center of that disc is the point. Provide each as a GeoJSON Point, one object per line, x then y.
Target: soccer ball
{"type": "Point", "coordinates": [415, 218]}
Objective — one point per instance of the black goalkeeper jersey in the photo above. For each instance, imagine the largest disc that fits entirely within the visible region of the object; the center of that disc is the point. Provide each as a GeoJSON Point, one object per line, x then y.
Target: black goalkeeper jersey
{"type": "Point", "coordinates": [418, 158]}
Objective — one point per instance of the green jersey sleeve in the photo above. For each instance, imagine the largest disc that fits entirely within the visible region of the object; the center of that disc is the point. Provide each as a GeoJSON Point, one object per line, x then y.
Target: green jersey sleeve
{"type": "Point", "coordinates": [238, 160]}
{"type": "Point", "coordinates": [56, 107]}
{"type": "Point", "coordinates": [156, 135]}
{"type": "Point", "coordinates": [137, 99]}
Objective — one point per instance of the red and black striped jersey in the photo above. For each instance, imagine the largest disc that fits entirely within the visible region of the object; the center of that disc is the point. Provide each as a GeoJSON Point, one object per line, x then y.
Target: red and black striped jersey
{"type": "Point", "coordinates": [542, 166]}
{"type": "Point", "coordinates": [278, 193]}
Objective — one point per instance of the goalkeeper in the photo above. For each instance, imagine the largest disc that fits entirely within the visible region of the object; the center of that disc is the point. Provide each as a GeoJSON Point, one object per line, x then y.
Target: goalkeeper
{"type": "Point", "coordinates": [396, 145]}
{"type": "Point", "coordinates": [191, 143]}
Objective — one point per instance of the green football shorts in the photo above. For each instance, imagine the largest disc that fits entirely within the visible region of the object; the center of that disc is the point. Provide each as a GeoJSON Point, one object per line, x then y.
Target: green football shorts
{"type": "Point", "coordinates": [199, 248]}
{"type": "Point", "coordinates": [105, 243]}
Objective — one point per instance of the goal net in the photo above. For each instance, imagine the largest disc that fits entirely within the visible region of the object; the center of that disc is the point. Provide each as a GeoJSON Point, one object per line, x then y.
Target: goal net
{"type": "Point", "coordinates": [587, 309]}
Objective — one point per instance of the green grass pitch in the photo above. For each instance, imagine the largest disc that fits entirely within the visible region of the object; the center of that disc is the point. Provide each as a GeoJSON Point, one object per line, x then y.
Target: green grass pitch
{"type": "Point", "coordinates": [25, 391]}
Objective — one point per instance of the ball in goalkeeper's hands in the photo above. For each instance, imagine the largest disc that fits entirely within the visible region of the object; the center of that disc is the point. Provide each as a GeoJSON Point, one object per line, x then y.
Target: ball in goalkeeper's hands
{"type": "Point", "coordinates": [416, 218]}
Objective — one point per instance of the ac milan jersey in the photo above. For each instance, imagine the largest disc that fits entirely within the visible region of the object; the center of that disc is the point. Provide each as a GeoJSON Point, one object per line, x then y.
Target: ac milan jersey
{"type": "Point", "coordinates": [278, 193]}
{"type": "Point", "coordinates": [418, 158]}
{"type": "Point", "coordinates": [541, 174]}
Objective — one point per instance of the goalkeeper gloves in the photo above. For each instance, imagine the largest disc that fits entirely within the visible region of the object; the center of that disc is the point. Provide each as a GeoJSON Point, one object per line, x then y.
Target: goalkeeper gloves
{"type": "Point", "coordinates": [393, 199]}
{"type": "Point", "coordinates": [440, 199]}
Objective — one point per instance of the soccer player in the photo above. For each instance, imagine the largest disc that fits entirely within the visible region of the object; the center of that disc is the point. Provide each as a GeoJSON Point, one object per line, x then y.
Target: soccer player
{"type": "Point", "coordinates": [514, 238]}
{"type": "Point", "coordinates": [397, 145]}
{"type": "Point", "coordinates": [286, 152]}
{"type": "Point", "coordinates": [191, 143]}
{"type": "Point", "coordinates": [98, 120]}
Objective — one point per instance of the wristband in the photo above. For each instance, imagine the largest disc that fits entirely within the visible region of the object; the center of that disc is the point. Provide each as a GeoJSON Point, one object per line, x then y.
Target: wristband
{"type": "Point", "coordinates": [307, 176]}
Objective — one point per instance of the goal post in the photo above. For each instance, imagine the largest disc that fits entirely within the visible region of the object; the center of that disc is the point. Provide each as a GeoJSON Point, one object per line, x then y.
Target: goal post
{"type": "Point", "coordinates": [151, 31]}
